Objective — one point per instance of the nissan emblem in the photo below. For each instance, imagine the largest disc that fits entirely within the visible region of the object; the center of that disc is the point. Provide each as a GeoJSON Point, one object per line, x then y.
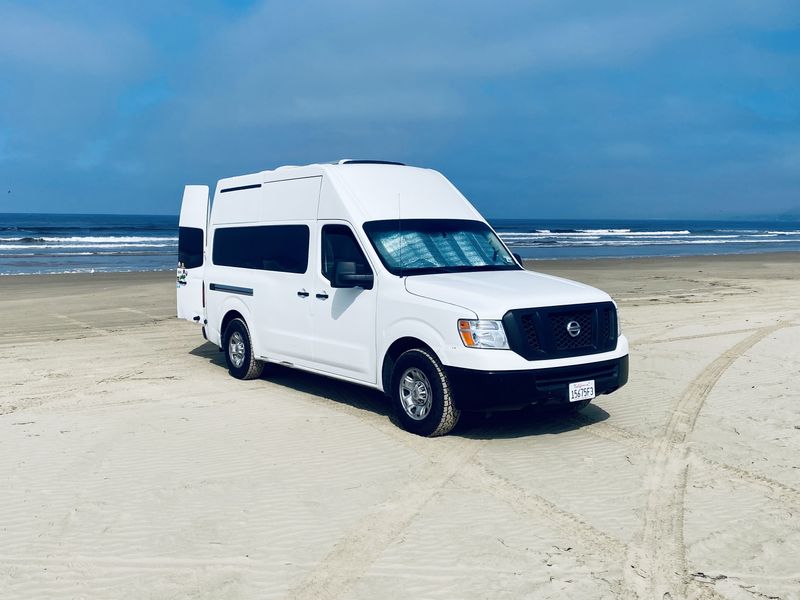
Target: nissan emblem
{"type": "Point", "coordinates": [574, 328]}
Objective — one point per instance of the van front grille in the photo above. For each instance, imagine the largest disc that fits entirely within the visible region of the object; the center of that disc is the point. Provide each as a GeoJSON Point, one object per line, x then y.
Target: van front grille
{"type": "Point", "coordinates": [561, 331]}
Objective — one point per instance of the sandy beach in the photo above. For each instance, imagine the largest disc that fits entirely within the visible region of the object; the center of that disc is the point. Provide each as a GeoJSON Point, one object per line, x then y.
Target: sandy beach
{"type": "Point", "coordinates": [133, 466]}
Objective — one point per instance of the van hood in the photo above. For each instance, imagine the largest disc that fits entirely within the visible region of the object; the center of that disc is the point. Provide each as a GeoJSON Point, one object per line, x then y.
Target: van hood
{"type": "Point", "coordinates": [490, 294]}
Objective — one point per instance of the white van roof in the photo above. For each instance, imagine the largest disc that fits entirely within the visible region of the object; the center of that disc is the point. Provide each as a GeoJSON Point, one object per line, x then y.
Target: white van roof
{"type": "Point", "coordinates": [368, 190]}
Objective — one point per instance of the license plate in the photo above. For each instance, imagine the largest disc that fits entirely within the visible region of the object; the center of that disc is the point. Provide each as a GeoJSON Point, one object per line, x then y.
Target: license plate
{"type": "Point", "coordinates": [581, 390]}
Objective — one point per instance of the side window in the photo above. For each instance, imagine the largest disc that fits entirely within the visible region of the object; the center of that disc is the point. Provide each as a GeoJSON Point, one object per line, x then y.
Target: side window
{"type": "Point", "coordinates": [190, 247]}
{"type": "Point", "coordinates": [339, 243]}
{"type": "Point", "coordinates": [281, 248]}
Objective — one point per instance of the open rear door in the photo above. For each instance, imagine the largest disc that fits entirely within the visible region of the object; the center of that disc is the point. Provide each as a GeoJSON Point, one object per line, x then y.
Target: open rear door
{"type": "Point", "coordinates": [191, 253]}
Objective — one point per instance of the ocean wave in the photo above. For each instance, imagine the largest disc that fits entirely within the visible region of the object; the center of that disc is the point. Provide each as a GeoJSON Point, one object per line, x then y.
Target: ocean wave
{"type": "Point", "coordinates": [91, 239]}
{"type": "Point", "coordinates": [94, 253]}
{"type": "Point", "coordinates": [97, 246]}
{"type": "Point", "coordinates": [640, 242]}
{"type": "Point", "coordinates": [594, 233]}
{"type": "Point", "coordinates": [89, 227]}
{"type": "Point", "coordinates": [85, 270]}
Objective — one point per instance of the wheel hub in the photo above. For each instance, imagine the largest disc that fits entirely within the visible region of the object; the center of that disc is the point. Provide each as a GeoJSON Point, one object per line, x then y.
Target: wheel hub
{"type": "Point", "coordinates": [236, 349]}
{"type": "Point", "coordinates": [416, 395]}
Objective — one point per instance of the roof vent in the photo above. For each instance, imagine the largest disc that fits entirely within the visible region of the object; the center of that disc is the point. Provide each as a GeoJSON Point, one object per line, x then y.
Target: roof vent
{"type": "Point", "coordinates": [351, 161]}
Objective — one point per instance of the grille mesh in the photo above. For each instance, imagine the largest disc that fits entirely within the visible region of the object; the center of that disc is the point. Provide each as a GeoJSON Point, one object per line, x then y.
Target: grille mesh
{"type": "Point", "coordinates": [563, 340]}
{"type": "Point", "coordinates": [529, 331]}
{"type": "Point", "coordinates": [605, 325]}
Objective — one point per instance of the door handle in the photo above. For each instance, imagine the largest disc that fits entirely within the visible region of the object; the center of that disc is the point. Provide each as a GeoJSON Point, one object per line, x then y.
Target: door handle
{"type": "Point", "coordinates": [302, 294]}
{"type": "Point", "coordinates": [322, 296]}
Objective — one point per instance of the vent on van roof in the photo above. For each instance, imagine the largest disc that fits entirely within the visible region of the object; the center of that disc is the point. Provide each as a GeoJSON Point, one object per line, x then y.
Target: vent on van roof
{"type": "Point", "coordinates": [350, 161]}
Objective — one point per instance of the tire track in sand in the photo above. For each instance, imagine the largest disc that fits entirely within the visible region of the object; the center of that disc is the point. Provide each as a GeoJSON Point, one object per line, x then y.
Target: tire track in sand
{"type": "Point", "coordinates": [655, 566]}
{"type": "Point", "coordinates": [358, 549]}
{"type": "Point", "coordinates": [777, 490]}
{"type": "Point", "coordinates": [522, 501]}
{"type": "Point", "coordinates": [352, 556]}
{"type": "Point", "coordinates": [355, 552]}
{"type": "Point", "coordinates": [363, 544]}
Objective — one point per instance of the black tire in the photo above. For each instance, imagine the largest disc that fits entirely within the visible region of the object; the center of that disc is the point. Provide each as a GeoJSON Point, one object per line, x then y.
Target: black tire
{"type": "Point", "coordinates": [239, 351]}
{"type": "Point", "coordinates": [417, 369]}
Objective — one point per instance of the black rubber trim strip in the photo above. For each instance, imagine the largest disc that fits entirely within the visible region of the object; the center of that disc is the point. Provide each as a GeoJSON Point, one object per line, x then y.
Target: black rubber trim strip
{"type": "Point", "coordinates": [372, 162]}
{"type": "Point", "coordinates": [240, 188]}
{"type": "Point", "coordinates": [218, 287]}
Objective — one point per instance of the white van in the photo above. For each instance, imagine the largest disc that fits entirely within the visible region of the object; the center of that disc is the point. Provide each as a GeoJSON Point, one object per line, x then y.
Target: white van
{"type": "Point", "coordinates": [384, 275]}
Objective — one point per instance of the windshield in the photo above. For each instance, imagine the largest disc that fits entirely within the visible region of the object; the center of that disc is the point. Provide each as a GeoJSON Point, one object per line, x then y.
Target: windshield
{"type": "Point", "coordinates": [423, 246]}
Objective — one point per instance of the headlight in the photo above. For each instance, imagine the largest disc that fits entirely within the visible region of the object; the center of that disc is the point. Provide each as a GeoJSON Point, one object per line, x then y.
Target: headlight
{"type": "Point", "coordinates": [619, 324]}
{"type": "Point", "coordinates": [481, 333]}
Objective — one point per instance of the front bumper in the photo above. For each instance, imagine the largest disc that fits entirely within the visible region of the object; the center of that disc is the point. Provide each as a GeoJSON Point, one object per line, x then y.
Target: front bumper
{"type": "Point", "coordinates": [511, 390]}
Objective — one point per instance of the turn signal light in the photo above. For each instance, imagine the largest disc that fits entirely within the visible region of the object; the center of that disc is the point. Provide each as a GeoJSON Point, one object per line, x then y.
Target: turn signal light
{"type": "Point", "coordinates": [482, 333]}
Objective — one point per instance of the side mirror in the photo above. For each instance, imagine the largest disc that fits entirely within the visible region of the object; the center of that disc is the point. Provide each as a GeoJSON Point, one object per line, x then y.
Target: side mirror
{"type": "Point", "coordinates": [519, 258]}
{"type": "Point", "coordinates": [344, 276]}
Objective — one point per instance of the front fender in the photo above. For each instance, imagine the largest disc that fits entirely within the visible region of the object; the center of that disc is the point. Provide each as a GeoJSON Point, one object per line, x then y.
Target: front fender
{"type": "Point", "coordinates": [412, 328]}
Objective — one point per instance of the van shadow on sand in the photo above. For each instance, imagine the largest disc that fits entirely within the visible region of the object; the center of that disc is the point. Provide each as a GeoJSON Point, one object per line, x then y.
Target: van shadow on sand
{"type": "Point", "coordinates": [529, 422]}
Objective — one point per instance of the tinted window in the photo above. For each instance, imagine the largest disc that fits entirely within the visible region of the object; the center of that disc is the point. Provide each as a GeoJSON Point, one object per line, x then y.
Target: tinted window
{"type": "Point", "coordinates": [269, 248]}
{"type": "Point", "coordinates": [339, 243]}
{"type": "Point", "coordinates": [190, 247]}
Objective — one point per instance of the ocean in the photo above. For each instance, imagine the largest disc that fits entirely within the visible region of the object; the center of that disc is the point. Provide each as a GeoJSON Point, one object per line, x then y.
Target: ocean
{"type": "Point", "coordinates": [48, 243]}
{"type": "Point", "coordinates": [45, 243]}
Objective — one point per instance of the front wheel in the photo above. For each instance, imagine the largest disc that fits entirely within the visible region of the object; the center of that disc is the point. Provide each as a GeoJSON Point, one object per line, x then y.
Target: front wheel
{"type": "Point", "coordinates": [421, 394]}
{"type": "Point", "coordinates": [239, 351]}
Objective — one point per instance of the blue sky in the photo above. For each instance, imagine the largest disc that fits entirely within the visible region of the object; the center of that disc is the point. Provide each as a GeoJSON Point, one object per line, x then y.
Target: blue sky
{"type": "Point", "coordinates": [532, 108]}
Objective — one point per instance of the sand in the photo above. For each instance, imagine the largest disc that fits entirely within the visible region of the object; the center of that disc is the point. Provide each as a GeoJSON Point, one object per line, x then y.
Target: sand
{"type": "Point", "coordinates": [133, 466]}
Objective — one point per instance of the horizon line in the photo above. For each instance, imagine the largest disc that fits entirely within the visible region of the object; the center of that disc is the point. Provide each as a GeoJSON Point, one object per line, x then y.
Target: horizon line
{"type": "Point", "coordinates": [777, 217]}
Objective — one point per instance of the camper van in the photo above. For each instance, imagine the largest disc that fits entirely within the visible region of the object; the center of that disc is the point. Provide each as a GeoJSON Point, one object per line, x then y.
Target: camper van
{"type": "Point", "coordinates": [384, 275]}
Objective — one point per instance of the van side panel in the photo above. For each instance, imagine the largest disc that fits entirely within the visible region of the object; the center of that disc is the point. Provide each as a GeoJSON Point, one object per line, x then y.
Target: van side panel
{"type": "Point", "coordinates": [237, 205]}
{"type": "Point", "coordinates": [332, 206]}
{"type": "Point", "coordinates": [278, 314]}
{"type": "Point", "coordinates": [290, 199]}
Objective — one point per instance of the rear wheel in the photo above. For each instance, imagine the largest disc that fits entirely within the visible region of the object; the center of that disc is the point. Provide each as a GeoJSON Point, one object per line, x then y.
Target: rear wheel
{"type": "Point", "coordinates": [421, 394]}
{"type": "Point", "coordinates": [239, 351]}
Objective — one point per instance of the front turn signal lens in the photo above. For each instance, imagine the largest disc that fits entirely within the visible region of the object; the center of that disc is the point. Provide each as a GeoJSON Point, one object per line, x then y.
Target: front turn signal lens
{"type": "Point", "coordinates": [482, 333]}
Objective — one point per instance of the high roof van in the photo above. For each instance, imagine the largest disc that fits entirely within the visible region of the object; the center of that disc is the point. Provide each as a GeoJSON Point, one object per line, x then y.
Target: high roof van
{"type": "Point", "coordinates": [385, 275]}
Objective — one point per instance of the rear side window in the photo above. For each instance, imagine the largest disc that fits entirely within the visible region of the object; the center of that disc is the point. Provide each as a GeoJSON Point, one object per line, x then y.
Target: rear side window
{"type": "Point", "coordinates": [269, 248]}
{"type": "Point", "coordinates": [339, 244]}
{"type": "Point", "coordinates": [190, 247]}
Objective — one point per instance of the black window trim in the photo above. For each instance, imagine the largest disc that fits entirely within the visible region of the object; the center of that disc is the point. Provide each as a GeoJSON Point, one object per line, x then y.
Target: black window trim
{"type": "Point", "coordinates": [240, 225]}
{"type": "Point", "coordinates": [360, 245]}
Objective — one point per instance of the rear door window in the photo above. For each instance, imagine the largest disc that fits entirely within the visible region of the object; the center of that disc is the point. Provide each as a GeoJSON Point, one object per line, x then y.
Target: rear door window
{"type": "Point", "coordinates": [190, 247]}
